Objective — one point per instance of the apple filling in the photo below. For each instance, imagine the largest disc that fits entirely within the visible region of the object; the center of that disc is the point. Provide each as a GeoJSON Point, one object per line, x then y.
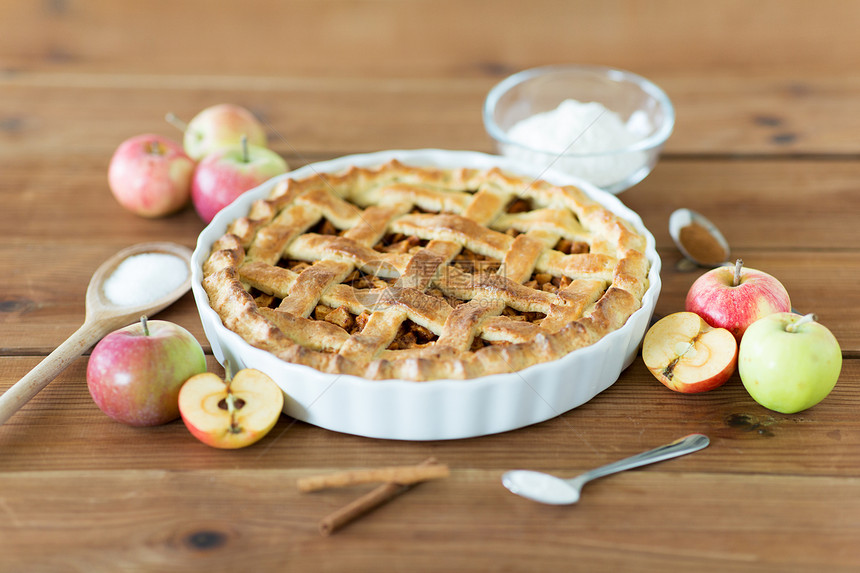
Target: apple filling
{"type": "Point", "coordinates": [547, 283]}
{"type": "Point", "coordinates": [410, 335]}
{"type": "Point", "coordinates": [519, 205]}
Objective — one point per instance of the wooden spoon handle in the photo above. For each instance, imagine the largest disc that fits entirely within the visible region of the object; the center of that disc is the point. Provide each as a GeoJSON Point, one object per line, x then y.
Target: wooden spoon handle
{"type": "Point", "coordinates": [24, 389]}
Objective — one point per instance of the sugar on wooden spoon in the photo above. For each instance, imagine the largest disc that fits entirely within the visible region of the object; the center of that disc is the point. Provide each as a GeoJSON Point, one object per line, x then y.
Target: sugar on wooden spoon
{"type": "Point", "coordinates": [139, 280]}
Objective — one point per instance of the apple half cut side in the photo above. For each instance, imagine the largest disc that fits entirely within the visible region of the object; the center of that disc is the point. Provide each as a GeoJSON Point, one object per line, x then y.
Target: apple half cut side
{"type": "Point", "coordinates": [687, 355]}
{"type": "Point", "coordinates": [230, 414]}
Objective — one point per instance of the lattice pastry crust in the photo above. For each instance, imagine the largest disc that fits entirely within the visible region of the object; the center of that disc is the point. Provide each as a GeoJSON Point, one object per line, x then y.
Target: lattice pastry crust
{"type": "Point", "coordinates": [422, 273]}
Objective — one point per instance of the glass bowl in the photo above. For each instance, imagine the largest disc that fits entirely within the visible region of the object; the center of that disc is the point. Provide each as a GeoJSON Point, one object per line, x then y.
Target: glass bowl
{"type": "Point", "coordinates": [585, 145]}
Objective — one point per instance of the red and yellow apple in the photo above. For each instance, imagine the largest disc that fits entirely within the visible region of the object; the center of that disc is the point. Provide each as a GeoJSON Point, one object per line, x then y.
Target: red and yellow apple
{"type": "Point", "coordinates": [219, 126]}
{"type": "Point", "coordinates": [789, 362]}
{"type": "Point", "coordinates": [150, 175]}
{"type": "Point", "coordinates": [735, 297]}
{"type": "Point", "coordinates": [231, 413]}
{"type": "Point", "coordinates": [225, 174]}
{"type": "Point", "coordinates": [687, 355]}
{"type": "Point", "coordinates": [134, 374]}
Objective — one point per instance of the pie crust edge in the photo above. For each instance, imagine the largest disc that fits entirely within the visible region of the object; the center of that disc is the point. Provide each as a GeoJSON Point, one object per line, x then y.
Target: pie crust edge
{"type": "Point", "coordinates": [265, 328]}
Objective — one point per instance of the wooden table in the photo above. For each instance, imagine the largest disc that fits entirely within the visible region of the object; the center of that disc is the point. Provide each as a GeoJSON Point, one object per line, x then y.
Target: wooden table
{"type": "Point", "coordinates": [766, 144]}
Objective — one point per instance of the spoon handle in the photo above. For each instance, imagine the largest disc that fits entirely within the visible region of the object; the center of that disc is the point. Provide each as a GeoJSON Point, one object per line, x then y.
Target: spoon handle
{"type": "Point", "coordinates": [685, 445]}
{"type": "Point", "coordinates": [24, 389]}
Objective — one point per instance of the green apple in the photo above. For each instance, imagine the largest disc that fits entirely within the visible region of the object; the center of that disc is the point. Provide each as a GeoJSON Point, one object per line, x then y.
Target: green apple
{"type": "Point", "coordinates": [789, 362]}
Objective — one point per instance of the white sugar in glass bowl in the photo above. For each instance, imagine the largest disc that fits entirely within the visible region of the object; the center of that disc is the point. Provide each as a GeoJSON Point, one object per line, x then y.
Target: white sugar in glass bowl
{"type": "Point", "coordinates": [523, 116]}
{"type": "Point", "coordinates": [435, 409]}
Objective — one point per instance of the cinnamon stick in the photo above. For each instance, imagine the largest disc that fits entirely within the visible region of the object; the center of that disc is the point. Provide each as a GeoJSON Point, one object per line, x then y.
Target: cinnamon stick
{"type": "Point", "coordinates": [367, 502]}
{"type": "Point", "coordinates": [400, 475]}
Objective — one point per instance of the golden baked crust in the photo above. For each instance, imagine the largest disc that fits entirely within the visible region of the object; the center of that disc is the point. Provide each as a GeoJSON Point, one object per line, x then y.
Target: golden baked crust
{"type": "Point", "coordinates": [425, 273]}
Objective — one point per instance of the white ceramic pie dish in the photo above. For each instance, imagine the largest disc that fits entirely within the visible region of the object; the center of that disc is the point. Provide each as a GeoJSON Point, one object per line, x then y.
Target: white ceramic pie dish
{"type": "Point", "coordinates": [438, 409]}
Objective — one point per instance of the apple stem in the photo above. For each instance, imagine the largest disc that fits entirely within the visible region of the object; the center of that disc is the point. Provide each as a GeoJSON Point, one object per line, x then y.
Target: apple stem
{"type": "Point", "coordinates": [806, 318]}
{"type": "Point", "coordinates": [174, 120]}
{"type": "Point", "coordinates": [736, 280]}
{"type": "Point", "coordinates": [231, 399]}
{"type": "Point", "coordinates": [154, 148]}
{"type": "Point", "coordinates": [245, 157]}
{"type": "Point", "coordinates": [145, 325]}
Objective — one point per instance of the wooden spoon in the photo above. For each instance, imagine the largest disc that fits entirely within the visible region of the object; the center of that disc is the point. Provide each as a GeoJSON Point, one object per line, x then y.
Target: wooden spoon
{"type": "Point", "coordinates": [102, 317]}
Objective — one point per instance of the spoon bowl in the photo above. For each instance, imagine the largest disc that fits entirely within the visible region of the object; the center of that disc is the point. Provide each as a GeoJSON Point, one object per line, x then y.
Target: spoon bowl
{"type": "Point", "coordinates": [552, 490]}
{"type": "Point", "coordinates": [681, 218]}
{"type": "Point", "coordinates": [102, 317]}
{"type": "Point", "coordinates": [98, 302]}
{"type": "Point", "coordinates": [541, 487]}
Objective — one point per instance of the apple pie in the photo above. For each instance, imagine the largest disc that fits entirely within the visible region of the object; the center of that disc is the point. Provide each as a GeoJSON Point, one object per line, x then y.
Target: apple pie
{"type": "Point", "coordinates": [424, 273]}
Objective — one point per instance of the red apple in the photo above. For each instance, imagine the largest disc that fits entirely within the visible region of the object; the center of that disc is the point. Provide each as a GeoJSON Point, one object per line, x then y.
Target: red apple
{"type": "Point", "coordinates": [150, 175]}
{"type": "Point", "coordinates": [735, 297]}
{"type": "Point", "coordinates": [134, 374]}
{"type": "Point", "coordinates": [230, 414]}
{"type": "Point", "coordinates": [687, 355]}
{"type": "Point", "coordinates": [225, 174]}
{"type": "Point", "coordinates": [219, 126]}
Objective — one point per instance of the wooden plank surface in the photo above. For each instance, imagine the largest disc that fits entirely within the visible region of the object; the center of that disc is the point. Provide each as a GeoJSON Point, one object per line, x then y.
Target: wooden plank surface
{"type": "Point", "coordinates": [152, 497]}
{"type": "Point", "coordinates": [426, 38]}
{"type": "Point", "coordinates": [767, 96]}
{"type": "Point", "coordinates": [769, 113]}
{"type": "Point", "coordinates": [634, 414]}
{"type": "Point", "coordinates": [173, 521]}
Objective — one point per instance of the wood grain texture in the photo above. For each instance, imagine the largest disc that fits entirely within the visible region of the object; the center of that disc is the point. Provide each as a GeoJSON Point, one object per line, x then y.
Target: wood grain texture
{"type": "Point", "coordinates": [427, 38]}
{"type": "Point", "coordinates": [155, 498]}
{"type": "Point", "coordinates": [719, 112]}
{"type": "Point", "coordinates": [637, 413]}
{"type": "Point", "coordinates": [155, 520]}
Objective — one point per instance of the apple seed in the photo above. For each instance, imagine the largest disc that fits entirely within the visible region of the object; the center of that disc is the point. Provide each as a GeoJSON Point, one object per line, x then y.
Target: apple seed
{"type": "Point", "coordinates": [238, 403]}
{"type": "Point", "coordinates": [231, 404]}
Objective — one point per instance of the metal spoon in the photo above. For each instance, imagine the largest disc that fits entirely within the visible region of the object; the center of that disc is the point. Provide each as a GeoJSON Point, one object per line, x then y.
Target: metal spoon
{"type": "Point", "coordinates": [102, 317]}
{"type": "Point", "coordinates": [552, 490]}
{"type": "Point", "coordinates": [681, 218]}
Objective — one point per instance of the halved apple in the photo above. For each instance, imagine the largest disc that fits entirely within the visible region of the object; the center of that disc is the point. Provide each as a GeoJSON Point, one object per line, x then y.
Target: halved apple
{"type": "Point", "coordinates": [231, 413]}
{"type": "Point", "coordinates": [687, 355]}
